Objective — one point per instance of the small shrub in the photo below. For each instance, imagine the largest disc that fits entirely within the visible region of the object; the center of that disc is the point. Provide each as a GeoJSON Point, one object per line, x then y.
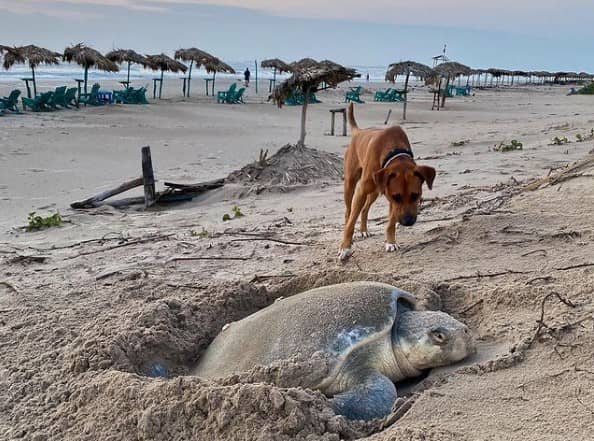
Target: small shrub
{"type": "Point", "coordinates": [513, 145]}
{"type": "Point", "coordinates": [237, 211]}
{"type": "Point", "coordinates": [37, 222]}
{"type": "Point", "coordinates": [560, 140]}
{"type": "Point", "coordinates": [203, 234]}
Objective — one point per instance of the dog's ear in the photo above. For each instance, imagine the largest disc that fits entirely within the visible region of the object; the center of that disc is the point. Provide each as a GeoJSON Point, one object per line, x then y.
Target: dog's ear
{"type": "Point", "coordinates": [426, 173]}
{"type": "Point", "coordinates": [381, 178]}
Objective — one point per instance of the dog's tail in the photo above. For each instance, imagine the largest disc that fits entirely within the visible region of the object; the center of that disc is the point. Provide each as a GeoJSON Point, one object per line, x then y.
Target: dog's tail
{"type": "Point", "coordinates": [351, 117]}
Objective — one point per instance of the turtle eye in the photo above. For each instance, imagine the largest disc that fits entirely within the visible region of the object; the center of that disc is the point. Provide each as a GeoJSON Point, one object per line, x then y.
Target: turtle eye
{"type": "Point", "coordinates": [397, 197]}
{"type": "Point", "coordinates": [439, 336]}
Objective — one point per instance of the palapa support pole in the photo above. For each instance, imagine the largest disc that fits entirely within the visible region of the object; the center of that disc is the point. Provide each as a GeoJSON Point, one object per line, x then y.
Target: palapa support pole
{"type": "Point", "coordinates": [86, 77]}
{"type": "Point", "coordinates": [161, 84]}
{"type": "Point", "coordinates": [303, 118]}
{"type": "Point", "coordinates": [405, 94]}
{"type": "Point", "coordinates": [148, 177]}
{"type": "Point", "coordinates": [128, 78]}
{"type": "Point", "coordinates": [213, 82]}
{"type": "Point", "coordinates": [34, 83]}
{"type": "Point", "coordinates": [189, 78]}
{"type": "Point", "coordinates": [256, 64]}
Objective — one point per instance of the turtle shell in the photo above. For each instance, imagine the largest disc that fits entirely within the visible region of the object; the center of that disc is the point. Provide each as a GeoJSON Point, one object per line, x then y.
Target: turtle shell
{"type": "Point", "coordinates": [332, 319]}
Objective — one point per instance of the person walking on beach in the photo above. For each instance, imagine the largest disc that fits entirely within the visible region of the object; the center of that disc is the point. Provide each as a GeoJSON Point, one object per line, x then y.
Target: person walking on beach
{"type": "Point", "coordinates": [246, 76]}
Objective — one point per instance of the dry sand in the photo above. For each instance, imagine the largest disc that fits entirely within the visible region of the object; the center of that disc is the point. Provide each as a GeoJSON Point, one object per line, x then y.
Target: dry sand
{"type": "Point", "coordinates": [89, 308]}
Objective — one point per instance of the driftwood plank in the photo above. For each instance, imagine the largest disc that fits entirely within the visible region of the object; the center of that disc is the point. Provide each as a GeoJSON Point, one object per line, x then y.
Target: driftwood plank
{"type": "Point", "coordinates": [195, 188]}
{"type": "Point", "coordinates": [96, 200]}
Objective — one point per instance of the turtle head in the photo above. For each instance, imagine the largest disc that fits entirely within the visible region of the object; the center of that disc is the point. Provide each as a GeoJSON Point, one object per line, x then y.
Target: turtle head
{"type": "Point", "coordinates": [428, 339]}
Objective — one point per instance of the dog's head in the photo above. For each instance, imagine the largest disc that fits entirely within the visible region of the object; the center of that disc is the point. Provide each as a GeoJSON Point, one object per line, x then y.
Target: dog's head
{"type": "Point", "coordinates": [401, 182]}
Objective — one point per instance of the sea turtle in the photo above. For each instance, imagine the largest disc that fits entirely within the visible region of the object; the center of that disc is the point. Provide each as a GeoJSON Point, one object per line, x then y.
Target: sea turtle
{"type": "Point", "coordinates": [371, 332]}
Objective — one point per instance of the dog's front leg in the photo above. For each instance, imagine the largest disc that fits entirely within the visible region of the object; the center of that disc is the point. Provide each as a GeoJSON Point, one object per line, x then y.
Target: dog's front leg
{"type": "Point", "coordinates": [391, 244]}
{"type": "Point", "coordinates": [349, 229]}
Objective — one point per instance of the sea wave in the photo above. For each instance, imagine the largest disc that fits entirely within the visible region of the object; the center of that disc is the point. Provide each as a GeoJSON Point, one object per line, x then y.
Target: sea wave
{"type": "Point", "coordinates": [71, 71]}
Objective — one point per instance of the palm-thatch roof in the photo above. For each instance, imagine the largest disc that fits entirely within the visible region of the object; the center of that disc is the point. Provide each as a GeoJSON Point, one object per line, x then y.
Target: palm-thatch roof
{"type": "Point", "coordinates": [406, 67]}
{"type": "Point", "coordinates": [89, 58]}
{"type": "Point", "coordinates": [164, 63]}
{"type": "Point", "coordinates": [308, 74]}
{"type": "Point", "coordinates": [126, 55]}
{"type": "Point", "coordinates": [276, 63]}
{"type": "Point", "coordinates": [304, 63]}
{"type": "Point", "coordinates": [34, 55]}
{"type": "Point", "coordinates": [215, 65]}
{"type": "Point", "coordinates": [452, 69]}
{"type": "Point", "coordinates": [198, 56]}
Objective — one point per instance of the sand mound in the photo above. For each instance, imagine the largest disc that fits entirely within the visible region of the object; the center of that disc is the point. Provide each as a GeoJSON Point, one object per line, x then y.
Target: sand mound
{"type": "Point", "coordinates": [292, 165]}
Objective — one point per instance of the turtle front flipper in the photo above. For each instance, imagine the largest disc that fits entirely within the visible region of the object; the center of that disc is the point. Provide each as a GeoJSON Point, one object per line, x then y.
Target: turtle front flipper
{"type": "Point", "coordinates": [371, 396]}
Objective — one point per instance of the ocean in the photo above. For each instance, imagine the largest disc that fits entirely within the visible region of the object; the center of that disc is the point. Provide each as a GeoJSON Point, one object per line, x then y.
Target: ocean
{"type": "Point", "coordinates": [68, 71]}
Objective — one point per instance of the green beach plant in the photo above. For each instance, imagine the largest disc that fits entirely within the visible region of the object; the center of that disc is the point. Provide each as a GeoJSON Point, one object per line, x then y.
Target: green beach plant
{"type": "Point", "coordinates": [513, 145]}
{"type": "Point", "coordinates": [37, 222]}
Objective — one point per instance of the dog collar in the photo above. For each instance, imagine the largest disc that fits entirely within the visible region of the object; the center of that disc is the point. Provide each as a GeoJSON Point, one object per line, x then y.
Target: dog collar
{"type": "Point", "coordinates": [395, 153]}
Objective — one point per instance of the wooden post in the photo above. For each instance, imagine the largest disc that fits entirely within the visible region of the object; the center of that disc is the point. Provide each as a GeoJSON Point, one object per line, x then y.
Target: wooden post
{"type": "Point", "coordinates": [332, 123]}
{"type": "Point", "coordinates": [405, 94]}
{"type": "Point", "coordinates": [303, 118]}
{"type": "Point", "coordinates": [34, 82]}
{"type": "Point", "coordinates": [189, 78]}
{"type": "Point", "coordinates": [128, 78]}
{"type": "Point", "coordinates": [256, 68]}
{"type": "Point", "coordinates": [161, 84]}
{"type": "Point", "coordinates": [86, 77]}
{"type": "Point", "coordinates": [213, 81]}
{"type": "Point", "coordinates": [148, 177]}
{"type": "Point", "coordinates": [344, 124]}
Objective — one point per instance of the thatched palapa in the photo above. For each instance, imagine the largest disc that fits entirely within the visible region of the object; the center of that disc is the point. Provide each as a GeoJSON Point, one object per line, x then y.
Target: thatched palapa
{"type": "Point", "coordinates": [196, 57]}
{"type": "Point", "coordinates": [33, 55]}
{"type": "Point", "coordinates": [408, 68]}
{"type": "Point", "coordinates": [88, 58]}
{"type": "Point", "coordinates": [277, 64]}
{"type": "Point", "coordinates": [307, 76]}
{"type": "Point", "coordinates": [452, 69]}
{"type": "Point", "coordinates": [164, 63]}
{"type": "Point", "coordinates": [127, 56]}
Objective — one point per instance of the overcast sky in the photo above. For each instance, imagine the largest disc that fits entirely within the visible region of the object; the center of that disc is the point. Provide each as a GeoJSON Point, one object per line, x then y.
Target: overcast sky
{"type": "Point", "coordinates": [513, 34]}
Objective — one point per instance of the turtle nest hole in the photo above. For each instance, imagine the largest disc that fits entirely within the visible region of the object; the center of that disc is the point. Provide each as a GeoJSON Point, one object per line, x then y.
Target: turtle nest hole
{"type": "Point", "coordinates": [166, 337]}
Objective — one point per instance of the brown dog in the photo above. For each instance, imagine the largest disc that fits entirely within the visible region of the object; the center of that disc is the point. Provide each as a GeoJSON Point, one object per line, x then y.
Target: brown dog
{"type": "Point", "coordinates": [381, 161]}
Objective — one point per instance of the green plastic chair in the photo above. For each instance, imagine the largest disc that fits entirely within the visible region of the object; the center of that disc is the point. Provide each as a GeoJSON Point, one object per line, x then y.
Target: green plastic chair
{"type": "Point", "coordinates": [57, 98]}
{"type": "Point", "coordinates": [237, 97]}
{"type": "Point", "coordinates": [222, 96]}
{"type": "Point", "coordinates": [92, 98]}
{"type": "Point", "coordinates": [130, 96]}
{"type": "Point", "coordinates": [353, 95]}
{"type": "Point", "coordinates": [10, 102]}
{"type": "Point", "coordinates": [70, 98]}
{"type": "Point", "coordinates": [380, 95]}
{"type": "Point", "coordinates": [39, 103]}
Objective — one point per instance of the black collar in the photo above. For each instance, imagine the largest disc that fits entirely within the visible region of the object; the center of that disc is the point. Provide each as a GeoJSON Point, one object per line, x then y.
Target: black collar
{"type": "Point", "coordinates": [396, 152]}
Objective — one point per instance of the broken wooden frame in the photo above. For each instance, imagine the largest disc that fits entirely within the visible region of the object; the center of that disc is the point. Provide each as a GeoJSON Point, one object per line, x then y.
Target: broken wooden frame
{"type": "Point", "coordinates": [173, 193]}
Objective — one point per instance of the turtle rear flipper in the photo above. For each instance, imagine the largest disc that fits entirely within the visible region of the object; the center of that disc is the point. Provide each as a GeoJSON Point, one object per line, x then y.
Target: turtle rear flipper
{"type": "Point", "coordinates": [372, 396]}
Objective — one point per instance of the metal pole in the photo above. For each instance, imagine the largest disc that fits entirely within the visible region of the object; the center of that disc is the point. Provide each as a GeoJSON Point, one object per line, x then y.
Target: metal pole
{"type": "Point", "coordinates": [256, 64]}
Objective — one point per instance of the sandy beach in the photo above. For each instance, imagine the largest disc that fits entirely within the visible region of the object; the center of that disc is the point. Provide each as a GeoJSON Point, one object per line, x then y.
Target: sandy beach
{"type": "Point", "coordinates": [504, 243]}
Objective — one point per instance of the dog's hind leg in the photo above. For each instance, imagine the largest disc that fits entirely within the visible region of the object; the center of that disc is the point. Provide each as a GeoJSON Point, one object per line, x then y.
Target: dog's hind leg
{"type": "Point", "coordinates": [365, 213]}
{"type": "Point", "coordinates": [352, 174]}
